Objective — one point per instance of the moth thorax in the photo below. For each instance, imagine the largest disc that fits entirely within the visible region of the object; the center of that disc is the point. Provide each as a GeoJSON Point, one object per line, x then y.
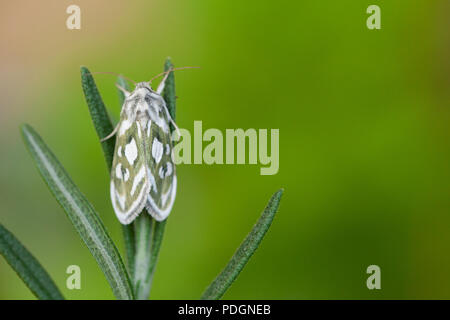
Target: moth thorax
{"type": "Point", "coordinates": [143, 120]}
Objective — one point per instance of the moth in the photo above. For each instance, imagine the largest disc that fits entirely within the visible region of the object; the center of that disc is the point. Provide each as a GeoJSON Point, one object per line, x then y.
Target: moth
{"type": "Point", "coordinates": [143, 169]}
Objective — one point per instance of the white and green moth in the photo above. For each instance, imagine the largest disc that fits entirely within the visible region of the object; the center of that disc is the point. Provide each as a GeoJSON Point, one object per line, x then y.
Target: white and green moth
{"type": "Point", "coordinates": [143, 169]}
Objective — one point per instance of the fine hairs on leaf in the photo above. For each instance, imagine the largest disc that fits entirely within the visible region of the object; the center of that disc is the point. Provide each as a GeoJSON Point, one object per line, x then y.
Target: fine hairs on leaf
{"type": "Point", "coordinates": [103, 126]}
{"type": "Point", "coordinates": [99, 115]}
{"type": "Point", "coordinates": [224, 280]}
{"type": "Point", "coordinates": [81, 213]}
{"type": "Point", "coordinates": [27, 267]}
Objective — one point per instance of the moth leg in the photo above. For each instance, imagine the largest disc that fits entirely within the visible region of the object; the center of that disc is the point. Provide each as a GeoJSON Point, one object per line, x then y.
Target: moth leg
{"type": "Point", "coordinates": [162, 83]}
{"type": "Point", "coordinates": [111, 134]}
{"type": "Point", "coordinates": [176, 127]}
{"type": "Point", "coordinates": [171, 121]}
{"type": "Point", "coordinates": [125, 92]}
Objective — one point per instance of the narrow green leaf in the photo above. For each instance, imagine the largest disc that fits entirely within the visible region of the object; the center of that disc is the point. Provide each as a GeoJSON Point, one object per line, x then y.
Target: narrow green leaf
{"type": "Point", "coordinates": [124, 84]}
{"type": "Point", "coordinates": [103, 126]}
{"type": "Point", "coordinates": [99, 115]}
{"type": "Point", "coordinates": [169, 91]}
{"type": "Point", "coordinates": [157, 236]}
{"type": "Point", "coordinates": [224, 280]}
{"type": "Point", "coordinates": [128, 238]}
{"type": "Point", "coordinates": [27, 267]}
{"type": "Point", "coordinates": [81, 213]}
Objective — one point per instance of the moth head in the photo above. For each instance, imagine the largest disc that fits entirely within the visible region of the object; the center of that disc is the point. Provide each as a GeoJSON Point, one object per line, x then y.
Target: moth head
{"type": "Point", "coordinates": [144, 85]}
{"type": "Point", "coordinates": [147, 85]}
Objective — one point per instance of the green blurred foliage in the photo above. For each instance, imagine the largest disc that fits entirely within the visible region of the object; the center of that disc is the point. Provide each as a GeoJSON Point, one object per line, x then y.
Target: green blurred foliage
{"type": "Point", "coordinates": [364, 149]}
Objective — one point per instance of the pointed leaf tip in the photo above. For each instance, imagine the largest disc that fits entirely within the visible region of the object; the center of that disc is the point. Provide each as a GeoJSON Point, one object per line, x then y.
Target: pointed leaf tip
{"type": "Point", "coordinates": [100, 118]}
{"type": "Point", "coordinates": [243, 254]}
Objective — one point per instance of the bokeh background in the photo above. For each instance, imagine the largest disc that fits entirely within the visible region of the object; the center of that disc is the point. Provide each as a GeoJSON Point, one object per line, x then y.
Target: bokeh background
{"type": "Point", "coordinates": [364, 140]}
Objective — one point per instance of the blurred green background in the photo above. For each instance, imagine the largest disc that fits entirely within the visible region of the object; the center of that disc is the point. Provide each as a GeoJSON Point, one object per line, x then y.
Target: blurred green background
{"type": "Point", "coordinates": [364, 140]}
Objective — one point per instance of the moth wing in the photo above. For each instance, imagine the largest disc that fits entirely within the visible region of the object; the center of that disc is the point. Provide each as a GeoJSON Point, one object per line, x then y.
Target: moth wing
{"type": "Point", "coordinates": [129, 180]}
{"type": "Point", "coordinates": [161, 170]}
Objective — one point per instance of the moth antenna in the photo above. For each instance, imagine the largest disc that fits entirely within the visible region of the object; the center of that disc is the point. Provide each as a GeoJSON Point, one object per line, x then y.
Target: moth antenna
{"type": "Point", "coordinates": [116, 74]}
{"type": "Point", "coordinates": [170, 70]}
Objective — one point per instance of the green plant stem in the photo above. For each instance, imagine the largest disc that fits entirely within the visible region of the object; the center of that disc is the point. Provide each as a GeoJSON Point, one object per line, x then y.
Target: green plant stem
{"type": "Point", "coordinates": [143, 226]}
{"type": "Point", "coordinates": [224, 280]}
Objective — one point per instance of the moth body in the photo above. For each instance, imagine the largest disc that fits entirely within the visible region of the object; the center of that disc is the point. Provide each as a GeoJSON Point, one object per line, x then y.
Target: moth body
{"type": "Point", "coordinates": [143, 170]}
